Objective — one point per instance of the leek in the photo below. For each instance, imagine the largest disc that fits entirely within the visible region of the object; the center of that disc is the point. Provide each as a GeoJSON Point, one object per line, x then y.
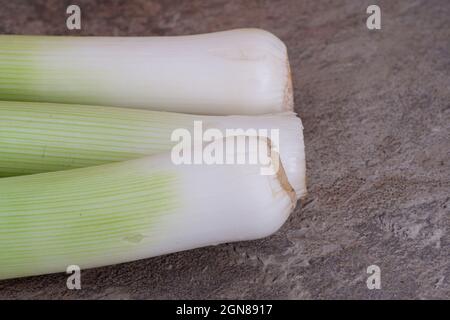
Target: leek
{"type": "Point", "coordinates": [132, 210]}
{"type": "Point", "coordinates": [43, 137]}
{"type": "Point", "coordinates": [243, 71]}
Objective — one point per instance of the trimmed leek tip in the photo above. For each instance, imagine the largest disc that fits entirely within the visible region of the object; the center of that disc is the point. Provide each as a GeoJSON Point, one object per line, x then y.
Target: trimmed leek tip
{"type": "Point", "coordinates": [132, 210]}
{"type": "Point", "coordinates": [44, 137]}
{"type": "Point", "coordinates": [243, 71]}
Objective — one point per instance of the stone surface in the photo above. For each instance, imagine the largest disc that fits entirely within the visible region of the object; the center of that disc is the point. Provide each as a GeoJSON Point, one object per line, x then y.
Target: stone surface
{"type": "Point", "coordinates": [376, 111]}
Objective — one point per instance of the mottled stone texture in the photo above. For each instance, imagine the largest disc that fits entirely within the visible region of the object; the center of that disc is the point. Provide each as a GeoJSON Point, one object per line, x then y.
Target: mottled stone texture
{"type": "Point", "coordinates": [376, 110]}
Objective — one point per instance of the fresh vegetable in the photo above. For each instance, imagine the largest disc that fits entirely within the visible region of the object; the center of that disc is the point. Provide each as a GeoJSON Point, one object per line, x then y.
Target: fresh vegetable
{"type": "Point", "coordinates": [243, 71]}
{"type": "Point", "coordinates": [43, 137]}
{"type": "Point", "coordinates": [131, 210]}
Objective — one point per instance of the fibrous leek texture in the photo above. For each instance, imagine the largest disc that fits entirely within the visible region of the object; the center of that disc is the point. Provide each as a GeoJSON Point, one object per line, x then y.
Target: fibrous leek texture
{"type": "Point", "coordinates": [44, 137]}
{"type": "Point", "coordinates": [243, 71]}
{"type": "Point", "coordinates": [131, 210]}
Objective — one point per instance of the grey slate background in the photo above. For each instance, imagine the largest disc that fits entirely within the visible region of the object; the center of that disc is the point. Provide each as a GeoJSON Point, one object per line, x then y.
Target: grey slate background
{"type": "Point", "coordinates": [376, 110]}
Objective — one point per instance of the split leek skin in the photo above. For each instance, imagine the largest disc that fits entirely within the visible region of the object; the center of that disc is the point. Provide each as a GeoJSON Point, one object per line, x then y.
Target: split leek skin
{"type": "Point", "coordinates": [44, 137]}
{"type": "Point", "coordinates": [242, 71]}
{"type": "Point", "coordinates": [132, 210]}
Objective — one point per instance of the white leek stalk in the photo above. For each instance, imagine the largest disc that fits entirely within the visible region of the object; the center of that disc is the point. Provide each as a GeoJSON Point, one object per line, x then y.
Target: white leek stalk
{"type": "Point", "coordinates": [43, 137]}
{"type": "Point", "coordinates": [132, 210]}
{"type": "Point", "coordinates": [243, 71]}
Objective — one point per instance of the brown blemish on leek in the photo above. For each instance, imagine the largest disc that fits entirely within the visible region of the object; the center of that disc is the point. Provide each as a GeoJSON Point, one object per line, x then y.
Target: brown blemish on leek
{"type": "Point", "coordinates": [281, 173]}
{"type": "Point", "coordinates": [288, 100]}
{"type": "Point", "coordinates": [284, 182]}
